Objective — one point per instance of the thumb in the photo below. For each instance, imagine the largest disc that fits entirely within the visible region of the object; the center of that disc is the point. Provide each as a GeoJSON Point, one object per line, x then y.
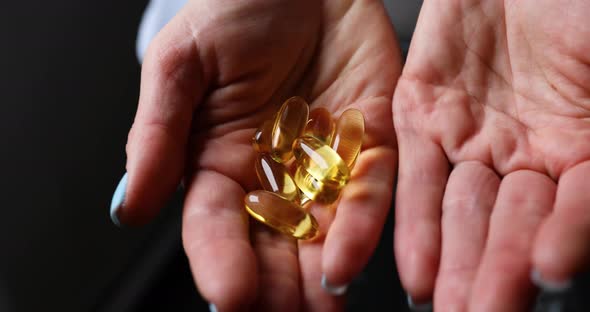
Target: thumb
{"type": "Point", "coordinates": [172, 83]}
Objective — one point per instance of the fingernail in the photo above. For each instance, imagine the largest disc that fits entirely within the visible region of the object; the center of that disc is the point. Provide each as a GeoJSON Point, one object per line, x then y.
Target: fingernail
{"type": "Point", "coordinates": [422, 307]}
{"type": "Point", "coordinates": [549, 286]}
{"type": "Point", "coordinates": [333, 289]}
{"type": "Point", "coordinates": [118, 198]}
{"type": "Point", "coordinates": [212, 307]}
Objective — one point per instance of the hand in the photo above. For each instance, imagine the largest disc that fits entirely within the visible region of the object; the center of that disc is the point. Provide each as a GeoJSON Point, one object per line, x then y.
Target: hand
{"type": "Point", "coordinates": [492, 117]}
{"type": "Point", "coordinates": [209, 79]}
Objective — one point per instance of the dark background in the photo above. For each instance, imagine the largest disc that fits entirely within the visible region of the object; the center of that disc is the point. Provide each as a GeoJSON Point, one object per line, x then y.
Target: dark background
{"type": "Point", "coordinates": [69, 82]}
{"type": "Point", "coordinates": [68, 91]}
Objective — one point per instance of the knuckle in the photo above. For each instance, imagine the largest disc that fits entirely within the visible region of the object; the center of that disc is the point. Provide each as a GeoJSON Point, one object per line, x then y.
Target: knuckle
{"type": "Point", "coordinates": [164, 59]}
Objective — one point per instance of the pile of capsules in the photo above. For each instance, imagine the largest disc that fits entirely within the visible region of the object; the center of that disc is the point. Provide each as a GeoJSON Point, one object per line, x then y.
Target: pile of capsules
{"type": "Point", "coordinates": [324, 153]}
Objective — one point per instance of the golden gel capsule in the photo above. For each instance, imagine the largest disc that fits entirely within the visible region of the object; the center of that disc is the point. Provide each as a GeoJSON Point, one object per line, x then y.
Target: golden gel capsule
{"type": "Point", "coordinates": [262, 139]}
{"type": "Point", "coordinates": [348, 137]}
{"type": "Point", "coordinates": [303, 200]}
{"type": "Point", "coordinates": [322, 165]}
{"type": "Point", "coordinates": [281, 214]}
{"type": "Point", "coordinates": [288, 125]}
{"type": "Point", "coordinates": [320, 125]}
{"type": "Point", "coordinates": [274, 177]}
{"type": "Point", "coordinates": [322, 192]}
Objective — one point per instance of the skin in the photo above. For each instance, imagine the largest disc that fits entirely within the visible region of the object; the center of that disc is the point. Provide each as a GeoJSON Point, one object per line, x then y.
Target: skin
{"type": "Point", "coordinates": [209, 79]}
{"type": "Point", "coordinates": [492, 117]}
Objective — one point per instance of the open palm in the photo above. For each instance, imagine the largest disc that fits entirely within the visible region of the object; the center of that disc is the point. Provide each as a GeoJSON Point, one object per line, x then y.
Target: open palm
{"type": "Point", "coordinates": [492, 116]}
{"type": "Point", "coordinates": [210, 78]}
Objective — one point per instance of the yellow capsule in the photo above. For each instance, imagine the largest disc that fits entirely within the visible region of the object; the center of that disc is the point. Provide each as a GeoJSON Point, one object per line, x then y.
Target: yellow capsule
{"type": "Point", "coordinates": [281, 214]}
{"type": "Point", "coordinates": [262, 139]}
{"type": "Point", "coordinates": [322, 192]}
{"type": "Point", "coordinates": [320, 125]}
{"type": "Point", "coordinates": [303, 200]}
{"type": "Point", "coordinates": [348, 137]}
{"type": "Point", "coordinates": [323, 169]}
{"type": "Point", "coordinates": [274, 177]}
{"type": "Point", "coordinates": [288, 125]}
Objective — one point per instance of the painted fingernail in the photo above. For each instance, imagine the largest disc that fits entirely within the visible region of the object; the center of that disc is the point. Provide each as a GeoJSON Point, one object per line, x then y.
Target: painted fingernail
{"type": "Point", "coordinates": [333, 289]}
{"type": "Point", "coordinates": [419, 307]}
{"type": "Point", "coordinates": [118, 198]}
{"type": "Point", "coordinates": [212, 308]}
{"type": "Point", "coordinates": [549, 286]}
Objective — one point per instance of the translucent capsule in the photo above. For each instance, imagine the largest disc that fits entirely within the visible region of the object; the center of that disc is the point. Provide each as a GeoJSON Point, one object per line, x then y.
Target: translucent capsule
{"type": "Point", "coordinates": [288, 125]}
{"type": "Point", "coordinates": [274, 177]}
{"type": "Point", "coordinates": [281, 214]}
{"type": "Point", "coordinates": [348, 137]}
{"type": "Point", "coordinates": [322, 192]}
{"type": "Point", "coordinates": [324, 170]}
{"type": "Point", "coordinates": [303, 200]}
{"type": "Point", "coordinates": [320, 125]}
{"type": "Point", "coordinates": [262, 139]}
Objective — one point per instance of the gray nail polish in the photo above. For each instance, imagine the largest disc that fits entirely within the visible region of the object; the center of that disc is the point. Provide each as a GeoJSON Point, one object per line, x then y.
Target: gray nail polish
{"type": "Point", "coordinates": [549, 286]}
{"type": "Point", "coordinates": [422, 307]}
{"type": "Point", "coordinates": [118, 198]}
{"type": "Point", "coordinates": [332, 289]}
{"type": "Point", "coordinates": [212, 308]}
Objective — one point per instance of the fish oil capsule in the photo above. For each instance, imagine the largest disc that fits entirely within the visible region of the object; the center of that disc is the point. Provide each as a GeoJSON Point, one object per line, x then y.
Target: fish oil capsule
{"type": "Point", "coordinates": [303, 200]}
{"type": "Point", "coordinates": [348, 137]}
{"type": "Point", "coordinates": [274, 177]}
{"type": "Point", "coordinates": [320, 125]}
{"type": "Point", "coordinates": [262, 139]}
{"type": "Point", "coordinates": [281, 214]}
{"type": "Point", "coordinates": [322, 192]}
{"type": "Point", "coordinates": [322, 165]}
{"type": "Point", "coordinates": [288, 125]}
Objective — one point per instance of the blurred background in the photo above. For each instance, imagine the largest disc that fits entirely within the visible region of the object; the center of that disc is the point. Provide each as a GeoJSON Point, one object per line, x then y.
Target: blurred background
{"type": "Point", "coordinates": [69, 82]}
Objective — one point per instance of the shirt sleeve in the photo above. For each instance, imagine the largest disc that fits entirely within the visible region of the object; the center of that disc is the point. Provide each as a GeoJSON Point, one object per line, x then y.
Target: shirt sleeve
{"type": "Point", "coordinates": [156, 15]}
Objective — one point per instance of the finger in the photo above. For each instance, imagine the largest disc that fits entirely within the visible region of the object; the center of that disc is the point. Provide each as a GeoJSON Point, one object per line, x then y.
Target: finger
{"type": "Point", "coordinates": [360, 217]}
{"type": "Point", "coordinates": [172, 83]}
{"type": "Point", "coordinates": [315, 298]}
{"type": "Point", "coordinates": [423, 172]}
{"type": "Point", "coordinates": [216, 240]}
{"type": "Point", "coordinates": [562, 246]}
{"type": "Point", "coordinates": [502, 282]}
{"type": "Point", "coordinates": [278, 267]}
{"type": "Point", "coordinates": [467, 205]}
